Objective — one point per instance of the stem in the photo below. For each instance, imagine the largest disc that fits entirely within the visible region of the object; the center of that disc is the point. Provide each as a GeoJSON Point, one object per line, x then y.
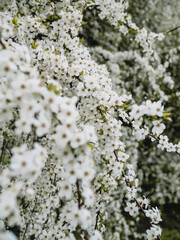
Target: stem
{"type": "Point", "coordinates": [142, 210]}
{"type": "Point", "coordinates": [97, 218]}
{"type": "Point", "coordinates": [2, 44]}
{"type": "Point", "coordinates": [79, 194]}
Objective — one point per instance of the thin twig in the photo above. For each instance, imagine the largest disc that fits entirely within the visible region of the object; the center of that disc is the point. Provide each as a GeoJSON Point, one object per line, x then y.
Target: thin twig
{"type": "Point", "coordinates": [97, 218]}
{"type": "Point", "coordinates": [79, 194]}
{"type": "Point", "coordinates": [142, 210]}
{"type": "Point", "coordinates": [3, 151]}
{"type": "Point", "coordinates": [9, 151]}
{"type": "Point", "coordinates": [100, 110]}
{"type": "Point", "coordinates": [98, 212]}
{"type": "Point", "coordinates": [27, 224]}
{"type": "Point", "coordinates": [78, 78]}
{"type": "Point", "coordinates": [172, 30]}
{"type": "Point", "coordinates": [79, 206]}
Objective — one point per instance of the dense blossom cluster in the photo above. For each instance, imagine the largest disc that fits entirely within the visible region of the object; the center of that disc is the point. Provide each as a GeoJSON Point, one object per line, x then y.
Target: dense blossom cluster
{"type": "Point", "coordinates": [70, 127]}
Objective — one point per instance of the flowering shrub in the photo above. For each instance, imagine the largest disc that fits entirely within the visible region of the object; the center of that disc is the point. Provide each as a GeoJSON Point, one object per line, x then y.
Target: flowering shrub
{"type": "Point", "coordinates": [86, 95]}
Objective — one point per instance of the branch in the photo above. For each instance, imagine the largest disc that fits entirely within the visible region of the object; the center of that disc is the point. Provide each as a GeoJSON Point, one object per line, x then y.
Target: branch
{"type": "Point", "coordinates": [2, 44]}
{"type": "Point", "coordinates": [86, 235]}
{"type": "Point", "coordinates": [151, 135]}
{"type": "Point", "coordinates": [138, 204]}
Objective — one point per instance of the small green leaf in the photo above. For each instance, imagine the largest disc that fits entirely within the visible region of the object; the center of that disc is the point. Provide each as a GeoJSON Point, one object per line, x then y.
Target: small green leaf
{"type": "Point", "coordinates": [166, 114]}
{"type": "Point", "coordinates": [5, 135]}
{"type": "Point", "coordinates": [101, 131]}
{"type": "Point", "coordinates": [120, 22]}
{"type": "Point", "coordinates": [15, 21]}
{"type": "Point", "coordinates": [90, 145]}
{"type": "Point", "coordinates": [53, 88]}
{"type": "Point", "coordinates": [83, 23]}
{"type": "Point", "coordinates": [133, 31]}
{"type": "Point", "coordinates": [124, 106]}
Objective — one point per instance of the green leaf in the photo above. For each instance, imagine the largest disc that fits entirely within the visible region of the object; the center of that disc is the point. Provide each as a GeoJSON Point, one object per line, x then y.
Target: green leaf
{"type": "Point", "coordinates": [15, 21]}
{"type": "Point", "coordinates": [53, 88]}
{"type": "Point", "coordinates": [124, 106]}
{"type": "Point", "coordinates": [34, 45]}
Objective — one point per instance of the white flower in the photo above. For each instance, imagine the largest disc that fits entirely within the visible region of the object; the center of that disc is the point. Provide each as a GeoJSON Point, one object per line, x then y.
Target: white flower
{"type": "Point", "coordinates": [154, 108]}
{"type": "Point", "coordinates": [88, 195]}
{"type": "Point", "coordinates": [72, 172]}
{"type": "Point", "coordinates": [85, 218]}
{"type": "Point", "coordinates": [158, 127]}
{"type": "Point", "coordinates": [171, 147]}
{"type": "Point", "coordinates": [130, 168]}
{"type": "Point", "coordinates": [7, 204]}
{"type": "Point", "coordinates": [90, 133]}
{"type": "Point", "coordinates": [154, 214]}
{"type": "Point", "coordinates": [78, 140]}
{"type": "Point", "coordinates": [28, 163]}
{"type": "Point", "coordinates": [131, 208]}
{"type": "Point", "coordinates": [7, 236]}
{"type": "Point", "coordinates": [122, 156]}
{"type": "Point", "coordinates": [65, 189]}
{"type": "Point", "coordinates": [42, 125]}
{"type": "Point", "coordinates": [97, 236]}
{"type": "Point", "coordinates": [131, 194]}
{"type": "Point", "coordinates": [62, 136]}
{"type": "Point", "coordinates": [136, 112]}
{"type": "Point", "coordinates": [153, 232]}
{"type": "Point", "coordinates": [163, 142]}
{"type": "Point", "coordinates": [74, 216]}
{"type": "Point", "coordinates": [30, 193]}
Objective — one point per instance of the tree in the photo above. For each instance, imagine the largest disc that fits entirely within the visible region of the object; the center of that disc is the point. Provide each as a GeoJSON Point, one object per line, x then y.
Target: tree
{"type": "Point", "coordinates": [88, 103]}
